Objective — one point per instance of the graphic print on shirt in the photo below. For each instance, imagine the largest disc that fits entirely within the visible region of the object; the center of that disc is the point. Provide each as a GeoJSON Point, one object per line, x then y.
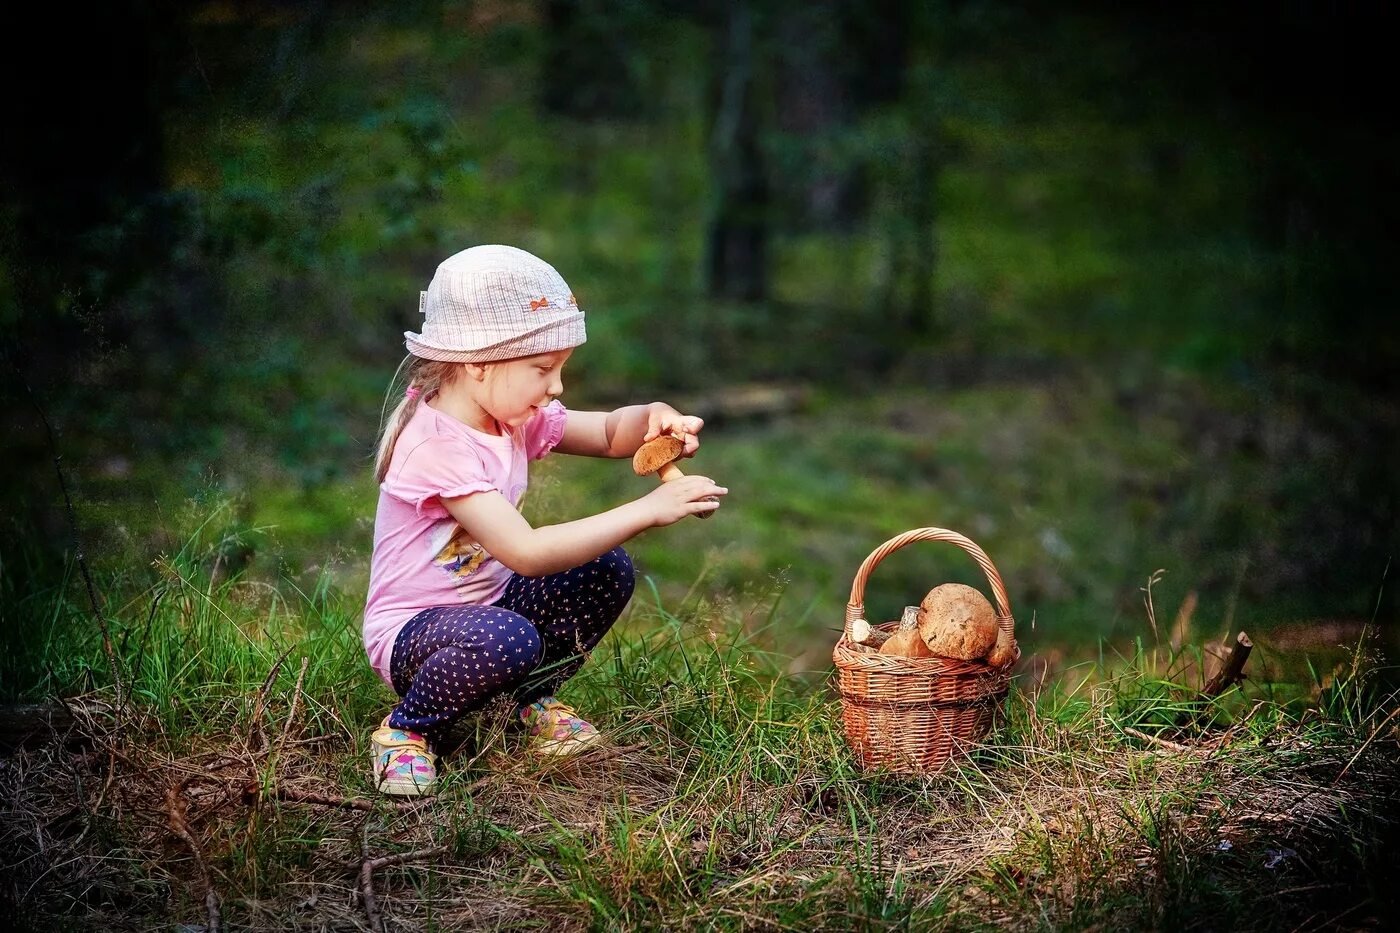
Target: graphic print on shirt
{"type": "Point", "coordinates": [455, 551]}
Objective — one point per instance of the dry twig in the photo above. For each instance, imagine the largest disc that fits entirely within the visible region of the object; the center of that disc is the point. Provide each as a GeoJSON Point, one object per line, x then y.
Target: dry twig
{"type": "Point", "coordinates": [1232, 671]}
{"type": "Point", "coordinates": [292, 714]}
{"type": "Point", "coordinates": [175, 806]}
{"type": "Point", "coordinates": [255, 727]}
{"type": "Point", "coordinates": [1157, 740]}
{"type": "Point", "coordinates": [371, 865]}
{"type": "Point", "coordinates": [251, 791]}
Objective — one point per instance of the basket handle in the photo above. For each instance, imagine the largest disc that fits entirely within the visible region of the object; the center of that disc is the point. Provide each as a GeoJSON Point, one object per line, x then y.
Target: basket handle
{"type": "Point", "coordinates": [855, 608]}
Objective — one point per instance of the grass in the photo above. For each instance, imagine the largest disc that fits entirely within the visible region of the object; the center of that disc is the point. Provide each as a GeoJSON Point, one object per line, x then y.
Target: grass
{"type": "Point", "coordinates": [1109, 797]}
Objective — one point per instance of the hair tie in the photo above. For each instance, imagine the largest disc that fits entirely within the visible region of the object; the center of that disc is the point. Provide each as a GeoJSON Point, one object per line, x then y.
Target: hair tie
{"type": "Point", "coordinates": [412, 392]}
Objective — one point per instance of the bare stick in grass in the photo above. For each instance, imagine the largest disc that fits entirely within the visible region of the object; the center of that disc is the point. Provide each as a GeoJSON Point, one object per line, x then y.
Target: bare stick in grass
{"type": "Point", "coordinates": [255, 727]}
{"type": "Point", "coordinates": [252, 789]}
{"type": "Point", "coordinates": [175, 806]}
{"type": "Point", "coordinates": [1232, 671]}
{"type": "Point", "coordinates": [1365, 745]}
{"type": "Point", "coordinates": [292, 714]}
{"type": "Point", "coordinates": [1155, 740]}
{"type": "Point", "coordinates": [371, 865]}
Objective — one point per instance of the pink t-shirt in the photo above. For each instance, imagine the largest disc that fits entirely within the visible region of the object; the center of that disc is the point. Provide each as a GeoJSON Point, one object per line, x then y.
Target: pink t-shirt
{"type": "Point", "coordinates": [422, 557]}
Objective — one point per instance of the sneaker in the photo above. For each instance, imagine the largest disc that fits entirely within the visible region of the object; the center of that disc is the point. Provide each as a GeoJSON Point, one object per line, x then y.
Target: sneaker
{"type": "Point", "coordinates": [402, 763]}
{"type": "Point", "coordinates": [555, 729]}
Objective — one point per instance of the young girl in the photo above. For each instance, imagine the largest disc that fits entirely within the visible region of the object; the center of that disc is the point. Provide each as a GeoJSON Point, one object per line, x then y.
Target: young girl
{"type": "Point", "coordinates": [466, 600]}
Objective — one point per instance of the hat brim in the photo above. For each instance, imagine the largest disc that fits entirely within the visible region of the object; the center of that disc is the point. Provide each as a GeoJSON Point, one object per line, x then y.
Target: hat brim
{"type": "Point", "coordinates": [561, 333]}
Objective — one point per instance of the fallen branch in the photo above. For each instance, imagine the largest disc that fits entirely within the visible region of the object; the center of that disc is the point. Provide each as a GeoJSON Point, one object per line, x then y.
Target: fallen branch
{"type": "Point", "coordinates": [175, 805]}
{"type": "Point", "coordinates": [371, 865]}
{"type": "Point", "coordinates": [1232, 671]}
{"type": "Point", "coordinates": [1157, 740]}
{"type": "Point", "coordinates": [251, 791]}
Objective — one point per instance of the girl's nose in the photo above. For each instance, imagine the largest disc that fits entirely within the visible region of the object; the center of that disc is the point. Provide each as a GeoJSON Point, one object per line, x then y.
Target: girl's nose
{"type": "Point", "coordinates": [556, 387]}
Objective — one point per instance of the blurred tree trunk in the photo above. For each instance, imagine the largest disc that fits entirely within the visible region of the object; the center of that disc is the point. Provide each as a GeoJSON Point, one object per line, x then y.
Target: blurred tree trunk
{"type": "Point", "coordinates": [923, 187]}
{"type": "Point", "coordinates": [906, 296]}
{"type": "Point", "coordinates": [737, 247]}
{"type": "Point", "coordinates": [587, 59]}
{"type": "Point", "coordinates": [817, 181]}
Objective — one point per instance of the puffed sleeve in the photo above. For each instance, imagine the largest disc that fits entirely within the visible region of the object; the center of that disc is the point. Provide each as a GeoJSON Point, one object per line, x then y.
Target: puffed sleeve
{"type": "Point", "coordinates": [438, 468]}
{"type": "Point", "coordinates": [543, 432]}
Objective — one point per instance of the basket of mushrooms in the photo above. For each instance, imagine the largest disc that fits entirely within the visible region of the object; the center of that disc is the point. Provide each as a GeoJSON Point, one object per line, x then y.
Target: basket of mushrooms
{"type": "Point", "coordinates": [918, 691]}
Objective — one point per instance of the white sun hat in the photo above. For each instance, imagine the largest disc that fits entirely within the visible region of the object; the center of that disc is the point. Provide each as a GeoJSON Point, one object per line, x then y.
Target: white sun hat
{"type": "Point", "coordinates": [493, 303]}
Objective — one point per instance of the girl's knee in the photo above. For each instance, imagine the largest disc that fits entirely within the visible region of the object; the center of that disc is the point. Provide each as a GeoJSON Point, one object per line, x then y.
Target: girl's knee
{"type": "Point", "coordinates": [522, 647]}
{"type": "Point", "coordinates": [616, 565]}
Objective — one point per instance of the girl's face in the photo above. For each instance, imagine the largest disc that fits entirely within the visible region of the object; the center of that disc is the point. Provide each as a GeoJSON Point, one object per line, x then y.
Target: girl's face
{"type": "Point", "coordinates": [511, 391]}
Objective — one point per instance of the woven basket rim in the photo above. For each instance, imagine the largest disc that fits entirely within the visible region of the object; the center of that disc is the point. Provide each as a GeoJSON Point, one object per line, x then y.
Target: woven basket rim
{"type": "Point", "coordinates": [849, 656]}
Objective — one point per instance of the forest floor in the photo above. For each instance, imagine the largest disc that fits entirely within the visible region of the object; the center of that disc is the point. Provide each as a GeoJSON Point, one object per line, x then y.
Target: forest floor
{"type": "Point", "coordinates": [225, 785]}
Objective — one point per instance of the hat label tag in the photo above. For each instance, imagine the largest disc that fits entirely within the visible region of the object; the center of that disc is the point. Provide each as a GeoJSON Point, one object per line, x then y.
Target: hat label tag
{"type": "Point", "coordinates": [423, 303]}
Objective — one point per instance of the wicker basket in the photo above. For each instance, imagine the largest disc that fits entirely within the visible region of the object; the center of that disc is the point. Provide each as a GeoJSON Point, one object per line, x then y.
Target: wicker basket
{"type": "Point", "coordinates": [912, 715]}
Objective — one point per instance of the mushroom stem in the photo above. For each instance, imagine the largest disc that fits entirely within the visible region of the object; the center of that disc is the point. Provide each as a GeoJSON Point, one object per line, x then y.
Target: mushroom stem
{"type": "Point", "coordinates": [658, 456]}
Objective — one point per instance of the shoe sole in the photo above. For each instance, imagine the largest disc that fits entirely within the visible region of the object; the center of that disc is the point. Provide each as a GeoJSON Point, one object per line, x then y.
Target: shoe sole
{"type": "Point", "coordinates": [564, 747]}
{"type": "Point", "coordinates": [406, 788]}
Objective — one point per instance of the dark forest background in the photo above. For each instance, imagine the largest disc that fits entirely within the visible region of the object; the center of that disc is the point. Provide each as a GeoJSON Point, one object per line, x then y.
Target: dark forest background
{"type": "Point", "coordinates": [1109, 288]}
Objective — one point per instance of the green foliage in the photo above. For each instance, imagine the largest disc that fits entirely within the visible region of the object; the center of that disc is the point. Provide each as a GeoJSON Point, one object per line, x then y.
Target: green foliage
{"type": "Point", "coordinates": [1096, 389]}
{"type": "Point", "coordinates": [743, 804]}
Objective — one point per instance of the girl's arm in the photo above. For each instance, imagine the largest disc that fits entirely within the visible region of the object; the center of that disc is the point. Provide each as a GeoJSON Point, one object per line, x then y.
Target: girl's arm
{"type": "Point", "coordinates": [620, 432]}
{"type": "Point", "coordinates": [533, 552]}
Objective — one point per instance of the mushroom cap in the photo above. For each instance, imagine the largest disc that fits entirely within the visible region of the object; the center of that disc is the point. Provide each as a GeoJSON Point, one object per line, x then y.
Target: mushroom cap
{"type": "Point", "coordinates": [957, 621]}
{"type": "Point", "coordinates": [656, 453]}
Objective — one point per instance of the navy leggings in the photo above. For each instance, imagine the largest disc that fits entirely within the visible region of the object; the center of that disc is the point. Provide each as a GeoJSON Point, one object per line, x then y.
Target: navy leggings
{"type": "Point", "coordinates": [450, 660]}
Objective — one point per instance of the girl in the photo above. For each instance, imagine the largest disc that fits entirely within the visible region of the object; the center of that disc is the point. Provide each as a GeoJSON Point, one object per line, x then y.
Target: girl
{"type": "Point", "coordinates": [466, 600]}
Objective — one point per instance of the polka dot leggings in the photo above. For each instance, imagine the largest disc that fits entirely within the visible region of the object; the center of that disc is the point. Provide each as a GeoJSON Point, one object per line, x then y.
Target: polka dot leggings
{"type": "Point", "coordinates": [450, 660]}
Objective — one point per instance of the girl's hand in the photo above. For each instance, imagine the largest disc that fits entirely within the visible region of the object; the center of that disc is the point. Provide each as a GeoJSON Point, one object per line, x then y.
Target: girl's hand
{"type": "Point", "coordinates": [689, 495]}
{"type": "Point", "coordinates": [663, 419]}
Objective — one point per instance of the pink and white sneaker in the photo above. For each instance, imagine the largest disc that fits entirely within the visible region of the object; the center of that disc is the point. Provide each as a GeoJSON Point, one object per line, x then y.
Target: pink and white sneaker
{"type": "Point", "coordinates": [555, 729]}
{"type": "Point", "coordinates": [403, 765]}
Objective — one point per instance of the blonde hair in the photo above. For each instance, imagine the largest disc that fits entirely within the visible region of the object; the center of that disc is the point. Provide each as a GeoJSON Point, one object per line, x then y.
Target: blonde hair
{"type": "Point", "coordinates": [428, 377]}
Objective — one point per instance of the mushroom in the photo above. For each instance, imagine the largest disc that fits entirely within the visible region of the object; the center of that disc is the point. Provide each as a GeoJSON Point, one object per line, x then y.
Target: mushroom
{"type": "Point", "coordinates": [867, 636]}
{"type": "Point", "coordinates": [659, 456]}
{"type": "Point", "coordinates": [906, 640]}
{"type": "Point", "coordinates": [957, 621]}
{"type": "Point", "coordinates": [860, 631]}
{"type": "Point", "coordinates": [1005, 651]}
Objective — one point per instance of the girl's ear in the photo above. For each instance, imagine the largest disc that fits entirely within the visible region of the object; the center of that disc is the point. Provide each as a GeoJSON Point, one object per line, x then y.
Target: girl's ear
{"type": "Point", "coordinates": [475, 371]}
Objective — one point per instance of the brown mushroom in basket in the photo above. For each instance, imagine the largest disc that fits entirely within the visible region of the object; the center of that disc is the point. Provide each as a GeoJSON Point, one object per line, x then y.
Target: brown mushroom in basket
{"type": "Point", "coordinates": [906, 640]}
{"type": "Point", "coordinates": [659, 456]}
{"type": "Point", "coordinates": [1005, 651]}
{"type": "Point", "coordinates": [957, 621]}
{"type": "Point", "coordinates": [868, 637]}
